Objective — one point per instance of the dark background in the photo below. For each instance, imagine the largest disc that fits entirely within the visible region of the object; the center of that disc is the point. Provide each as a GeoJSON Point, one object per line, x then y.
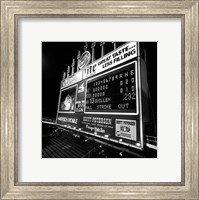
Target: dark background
{"type": "Point", "coordinates": [56, 56]}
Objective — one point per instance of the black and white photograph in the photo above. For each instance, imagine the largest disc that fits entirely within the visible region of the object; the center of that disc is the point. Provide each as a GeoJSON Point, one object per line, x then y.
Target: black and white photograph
{"type": "Point", "coordinates": [99, 99]}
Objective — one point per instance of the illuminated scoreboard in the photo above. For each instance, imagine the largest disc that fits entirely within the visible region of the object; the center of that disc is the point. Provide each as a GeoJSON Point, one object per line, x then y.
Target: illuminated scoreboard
{"type": "Point", "coordinates": [114, 91]}
{"type": "Point", "coordinates": [104, 98]}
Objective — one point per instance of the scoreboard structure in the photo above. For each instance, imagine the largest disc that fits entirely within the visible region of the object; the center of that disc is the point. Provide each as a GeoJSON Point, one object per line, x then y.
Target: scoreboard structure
{"type": "Point", "coordinates": [107, 98]}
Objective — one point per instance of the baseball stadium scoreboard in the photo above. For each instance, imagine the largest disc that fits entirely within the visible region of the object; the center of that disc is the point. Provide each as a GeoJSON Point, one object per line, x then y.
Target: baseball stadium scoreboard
{"type": "Point", "coordinates": [107, 98]}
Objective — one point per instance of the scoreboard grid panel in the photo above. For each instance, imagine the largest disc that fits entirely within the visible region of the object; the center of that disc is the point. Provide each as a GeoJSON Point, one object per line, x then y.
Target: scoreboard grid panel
{"type": "Point", "coordinates": [116, 111]}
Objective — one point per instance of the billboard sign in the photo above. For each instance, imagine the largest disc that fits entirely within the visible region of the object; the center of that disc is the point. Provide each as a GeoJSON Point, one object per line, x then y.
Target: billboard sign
{"type": "Point", "coordinates": [122, 54]}
{"type": "Point", "coordinates": [72, 79]}
{"type": "Point", "coordinates": [84, 59]}
{"type": "Point", "coordinates": [126, 129]}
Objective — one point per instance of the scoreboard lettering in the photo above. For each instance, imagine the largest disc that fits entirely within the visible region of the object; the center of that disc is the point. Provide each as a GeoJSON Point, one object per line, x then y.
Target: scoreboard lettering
{"type": "Point", "coordinates": [115, 91]}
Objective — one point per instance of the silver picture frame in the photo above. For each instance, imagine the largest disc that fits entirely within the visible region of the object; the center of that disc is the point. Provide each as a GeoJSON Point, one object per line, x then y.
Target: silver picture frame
{"type": "Point", "coordinates": [12, 11]}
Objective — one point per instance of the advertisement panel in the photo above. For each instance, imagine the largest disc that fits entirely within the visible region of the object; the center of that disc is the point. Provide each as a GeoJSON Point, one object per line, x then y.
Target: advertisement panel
{"type": "Point", "coordinates": [72, 79]}
{"type": "Point", "coordinates": [98, 125]}
{"type": "Point", "coordinates": [69, 121]}
{"type": "Point", "coordinates": [126, 129]}
{"type": "Point", "coordinates": [120, 55]}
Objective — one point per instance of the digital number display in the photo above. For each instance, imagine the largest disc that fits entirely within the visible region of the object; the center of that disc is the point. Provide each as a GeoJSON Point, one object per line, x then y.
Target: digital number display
{"type": "Point", "coordinates": [114, 91]}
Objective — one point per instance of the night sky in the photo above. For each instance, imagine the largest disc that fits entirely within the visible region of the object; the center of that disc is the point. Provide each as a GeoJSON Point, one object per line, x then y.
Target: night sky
{"type": "Point", "coordinates": [56, 56]}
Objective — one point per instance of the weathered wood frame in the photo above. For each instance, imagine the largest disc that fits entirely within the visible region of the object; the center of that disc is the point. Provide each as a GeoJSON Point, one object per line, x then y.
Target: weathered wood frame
{"type": "Point", "coordinates": [11, 11]}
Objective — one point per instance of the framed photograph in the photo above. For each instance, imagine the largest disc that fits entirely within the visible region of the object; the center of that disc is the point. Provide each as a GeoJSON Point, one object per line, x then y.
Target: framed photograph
{"type": "Point", "coordinates": [99, 99]}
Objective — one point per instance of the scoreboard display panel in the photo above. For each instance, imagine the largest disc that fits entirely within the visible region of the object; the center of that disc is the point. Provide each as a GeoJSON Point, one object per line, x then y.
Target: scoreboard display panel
{"type": "Point", "coordinates": [106, 102]}
{"type": "Point", "coordinates": [114, 91]}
